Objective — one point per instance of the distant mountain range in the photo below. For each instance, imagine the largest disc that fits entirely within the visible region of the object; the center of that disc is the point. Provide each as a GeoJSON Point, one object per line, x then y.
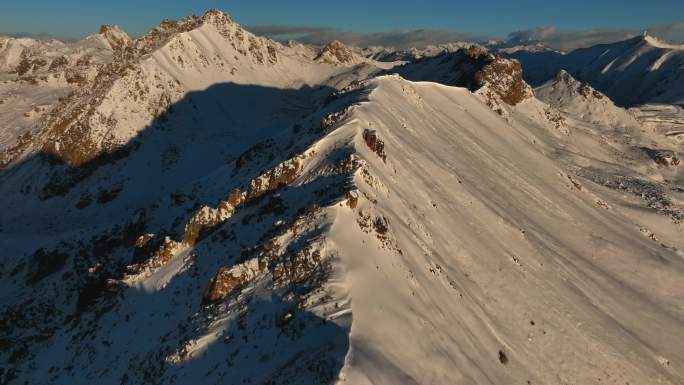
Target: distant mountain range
{"type": "Point", "coordinates": [637, 71]}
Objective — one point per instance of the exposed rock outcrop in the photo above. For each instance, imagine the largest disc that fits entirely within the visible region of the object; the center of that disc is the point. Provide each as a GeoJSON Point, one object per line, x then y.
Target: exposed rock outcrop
{"type": "Point", "coordinates": [227, 279]}
{"type": "Point", "coordinates": [337, 53]}
{"type": "Point", "coordinates": [665, 158]}
{"type": "Point", "coordinates": [490, 75]}
{"type": "Point", "coordinates": [504, 78]}
{"type": "Point", "coordinates": [206, 217]}
{"type": "Point", "coordinates": [117, 38]}
{"type": "Point", "coordinates": [374, 143]}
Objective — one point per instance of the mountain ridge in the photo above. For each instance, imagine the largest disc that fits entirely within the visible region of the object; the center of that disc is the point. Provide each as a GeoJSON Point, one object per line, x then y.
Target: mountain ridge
{"type": "Point", "coordinates": [640, 70]}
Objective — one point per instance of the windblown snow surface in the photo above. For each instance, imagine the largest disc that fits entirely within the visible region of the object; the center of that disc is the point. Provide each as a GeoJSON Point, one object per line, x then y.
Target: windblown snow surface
{"type": "Point", "coordinates": [306, 223]}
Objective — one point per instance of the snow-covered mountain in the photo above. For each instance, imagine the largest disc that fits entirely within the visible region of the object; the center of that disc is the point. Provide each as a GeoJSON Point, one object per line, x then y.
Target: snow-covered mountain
{"type": "Point", "coordinates": [498, 80]}
{"type": "Point", "coordinates": [35, 75]}
{"type": "Point", "coordinates": [636, 71]}
{"type": "Point", "coordinates": [388, 54]}
{"type": "Point", "coordinates": [581, 101]}
{"type": "Point", "coordinates": [210, 206]}
{"type": "Point", "coordinates": [149, 74]}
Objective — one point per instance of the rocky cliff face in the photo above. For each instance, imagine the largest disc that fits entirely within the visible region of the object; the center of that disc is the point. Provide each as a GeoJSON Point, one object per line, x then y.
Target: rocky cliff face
{"type": "Point", "coordinates": [118, 40]}
{"type": "Point", "coordinates": [337, 53]}
{"type": "Point", "coordinates": [503, 77]}
{"type": "Point", "coordinates": [497, 79]}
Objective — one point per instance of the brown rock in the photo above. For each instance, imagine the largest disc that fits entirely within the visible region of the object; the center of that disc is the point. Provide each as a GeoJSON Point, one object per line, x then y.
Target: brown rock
{"type": "Point", "coordinates": [505, 78]}
{"type": "Point", "coordinates": [666, 158]}
{"type": "Point", "coordinates": [374, 143]}
{"type": "Point", "coordinates": [227, 279]}
{"type": "Point", "coordinates": [205, 218]}
{"type": "Point", "coordinates": [275, 178]}
{"type": "Point", "coordinates": [143, 240]}
{"type": "Point", "coordinates": [352, 199]}
{"type": "Point", "coordinates": [166, 252]}
{"type": "Point", "coordinates": [336, 53]}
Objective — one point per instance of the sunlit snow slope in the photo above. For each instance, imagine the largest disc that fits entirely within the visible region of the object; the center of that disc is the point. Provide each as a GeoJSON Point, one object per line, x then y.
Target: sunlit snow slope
{"type": "Point", "coordinates": [496, 268]}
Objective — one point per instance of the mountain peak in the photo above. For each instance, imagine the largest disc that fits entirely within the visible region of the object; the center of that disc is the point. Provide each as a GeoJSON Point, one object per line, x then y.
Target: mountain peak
{"type": "Point", "coordinates": [115, 36]}
{"type": "Point", "coordinates": [564, 76]}
{"type": "Point", "coordinates": [336, 52]}
{"type": "Point", "coordinates": [581, 101]}
{"type": "Point", "coordinates": [575, 86]}
{"type": "Point", "coordinates": [657, 43]}
{"type": "Point", "coordinates": [217, 17]}
{"type": "Point", "coordinates": [169, 28]}
{"type": "Point", "coordinates": [108, 28]}
{"type": "Point", "coordinates": [648, 40]}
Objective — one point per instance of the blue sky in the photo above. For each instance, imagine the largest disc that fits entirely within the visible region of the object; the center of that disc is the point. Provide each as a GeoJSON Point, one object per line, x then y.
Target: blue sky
{"type": "Point", "coordinates": [76, 18]}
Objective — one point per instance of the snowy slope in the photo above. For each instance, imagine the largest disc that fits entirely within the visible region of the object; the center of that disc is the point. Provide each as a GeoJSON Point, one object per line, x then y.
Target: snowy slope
{"type": "Point", "coordinates": [245, 213]}
{"type": "Point", "coordinates": [581, 101]}
{"type": "Point", "coordinates": [497, 80]}
{"type": "Point", "coordinates": [664, 118]}
{"type": "Point", "coordinates": [635, 71]}
{"type": "Point", "coordinates": [149, 74]}
{"type": "Point", "coordinates": [492, 248]}
{"type": "Point", "coordinates": [36, 75]}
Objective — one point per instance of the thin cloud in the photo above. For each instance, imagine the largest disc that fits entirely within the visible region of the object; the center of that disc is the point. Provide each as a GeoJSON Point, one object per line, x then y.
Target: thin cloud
{"type": "Point", "coordinates": [49, 36]}
{"type": "Point", "coordinates": [673, 32]}
{"type": "Point", "coordinates": [668, 28]}
{"type": "Point", "coordinates": [416, 38]}
{"type": "Point", "coordinates": [532, 35]}
{"type": "Point", "coordinates": [397, 39]}
{"type": "Point", "coordinates": [569, 40]}
{"type": "Point", "coordinates": [37, 36]}
{"type": "Point", "coordinates": [549, 36]}
{"type": "Point", "coordinates": [280, 30]}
